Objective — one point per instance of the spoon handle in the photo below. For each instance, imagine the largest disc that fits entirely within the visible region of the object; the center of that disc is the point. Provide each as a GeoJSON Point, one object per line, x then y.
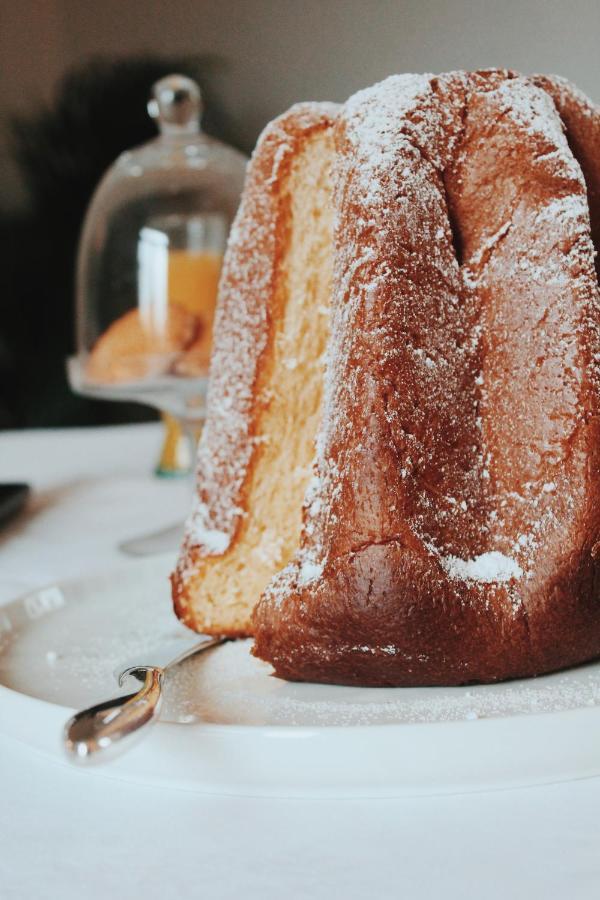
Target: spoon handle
{"type": "Point", "coordinates": [103, 731]}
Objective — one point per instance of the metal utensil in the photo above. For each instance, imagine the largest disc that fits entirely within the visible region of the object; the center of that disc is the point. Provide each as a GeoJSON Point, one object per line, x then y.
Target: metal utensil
{"type": "Point", "coordinates": [107, 729]}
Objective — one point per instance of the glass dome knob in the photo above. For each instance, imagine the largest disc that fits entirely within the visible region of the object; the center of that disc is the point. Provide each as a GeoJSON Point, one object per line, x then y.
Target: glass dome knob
{"type": "Point", "coordinates": [176, 105]}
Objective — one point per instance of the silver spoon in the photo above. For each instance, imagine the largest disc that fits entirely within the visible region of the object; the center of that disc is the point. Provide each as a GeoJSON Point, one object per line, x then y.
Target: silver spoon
{"type": "Point", "coordinates": [107, 729]}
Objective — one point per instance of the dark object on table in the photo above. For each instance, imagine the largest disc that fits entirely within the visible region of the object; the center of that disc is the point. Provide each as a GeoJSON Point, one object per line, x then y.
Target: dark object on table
{"type": "Point", "coordinates": [63, 151]}
{"type": "Point", "coordinates": [12, 500]}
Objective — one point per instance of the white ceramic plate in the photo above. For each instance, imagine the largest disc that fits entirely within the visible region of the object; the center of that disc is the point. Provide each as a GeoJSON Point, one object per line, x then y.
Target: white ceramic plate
{"type": "Point", "coordinates": [230, 727]}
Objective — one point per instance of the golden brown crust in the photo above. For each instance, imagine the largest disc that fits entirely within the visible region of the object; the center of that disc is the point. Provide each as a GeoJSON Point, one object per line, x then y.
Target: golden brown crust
{"type": "Point", "coordinates": [495, 450]}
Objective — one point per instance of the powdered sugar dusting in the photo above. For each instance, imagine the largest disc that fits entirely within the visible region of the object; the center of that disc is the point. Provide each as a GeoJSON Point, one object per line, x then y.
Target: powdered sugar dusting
{"type": "Point", "coordinates": [534, 111]}
{"type": "Point", "coordinates": [212, 540]}
{"type": "Point", "coordinates": [228, 685]}
{"type": "Point", "coordinates": [309, 571]}
{"type": "Point", "coordinates": [487, 568]}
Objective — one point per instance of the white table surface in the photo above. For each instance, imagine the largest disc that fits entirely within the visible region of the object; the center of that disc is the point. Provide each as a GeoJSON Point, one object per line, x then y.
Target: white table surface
{"type": "Point", "coordinates": [71, 834]}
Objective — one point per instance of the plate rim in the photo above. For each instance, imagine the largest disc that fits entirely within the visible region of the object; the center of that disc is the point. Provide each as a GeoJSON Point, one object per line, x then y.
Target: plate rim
{"type": "Point", "coordinates": [159, 560]}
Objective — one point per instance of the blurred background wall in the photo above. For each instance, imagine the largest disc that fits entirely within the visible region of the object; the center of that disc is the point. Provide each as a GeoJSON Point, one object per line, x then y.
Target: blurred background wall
{"type": "Point", "coordinates": [267, 54]}
{"type": "Point", "coordinates": [275, 52]}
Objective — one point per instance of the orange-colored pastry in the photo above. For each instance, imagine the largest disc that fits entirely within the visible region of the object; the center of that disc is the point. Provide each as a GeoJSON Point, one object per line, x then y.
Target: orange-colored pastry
{"type": "Point", "coordinates": [196, 360]}
{"type": "Point", "coordinates": [399, 478]}
{"type": "Point", "coordinates": [134, 348]}
{"type": "Point", "coordinates": [192, 286]}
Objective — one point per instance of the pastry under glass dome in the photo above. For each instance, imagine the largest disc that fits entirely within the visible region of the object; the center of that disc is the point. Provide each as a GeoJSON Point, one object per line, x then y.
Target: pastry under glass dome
{"type": "Point", "coordinates": [149, 262]}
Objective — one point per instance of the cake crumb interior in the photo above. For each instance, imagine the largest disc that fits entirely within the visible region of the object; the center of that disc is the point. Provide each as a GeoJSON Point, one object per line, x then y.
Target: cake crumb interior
{"type": "Point", "coordinates": [289, 392]}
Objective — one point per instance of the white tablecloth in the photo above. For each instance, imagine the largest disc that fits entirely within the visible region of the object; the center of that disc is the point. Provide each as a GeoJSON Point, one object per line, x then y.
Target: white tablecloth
{"type": "Point", "coordinates": [71, 834]}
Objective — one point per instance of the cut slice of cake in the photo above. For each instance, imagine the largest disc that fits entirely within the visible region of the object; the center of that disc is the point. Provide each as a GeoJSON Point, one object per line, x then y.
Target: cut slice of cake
{"type": "Point", "coordinates": [257, 449]}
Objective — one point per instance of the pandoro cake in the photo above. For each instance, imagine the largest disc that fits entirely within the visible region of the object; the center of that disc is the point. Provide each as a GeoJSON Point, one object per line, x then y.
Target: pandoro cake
{"type": "Point", "coordinates": [399, 478]}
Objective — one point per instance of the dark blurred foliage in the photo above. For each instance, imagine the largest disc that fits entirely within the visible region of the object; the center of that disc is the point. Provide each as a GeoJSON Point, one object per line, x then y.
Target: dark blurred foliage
{"type": "Point", "coordinates": [62, 151]}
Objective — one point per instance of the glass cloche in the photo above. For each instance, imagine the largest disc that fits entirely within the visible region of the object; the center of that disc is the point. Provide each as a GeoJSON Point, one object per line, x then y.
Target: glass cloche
{"type": "Point", "coordinates": [149, 262]}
